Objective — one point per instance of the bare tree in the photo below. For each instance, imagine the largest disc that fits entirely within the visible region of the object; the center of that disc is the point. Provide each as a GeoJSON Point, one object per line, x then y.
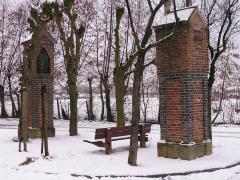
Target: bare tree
{"type": "Point", "coordinates": [221, 96]}
{"type": "Point", "coordinates": [71, 32]}
{"type": "Point", "coordinates": [122, 68]}
{"type": "Point", "coordinates": [4, 12]}
{"type": "Point", "coordinates": [223, 22]}
{"type": "Point", "coordinates": [143, 46]}
{"type": "Point", "coordinates": [90, 102]}
{"type": "Point", "coordinates": [104, 64]}
{"type": "Point", "coordinates": [19, 20]}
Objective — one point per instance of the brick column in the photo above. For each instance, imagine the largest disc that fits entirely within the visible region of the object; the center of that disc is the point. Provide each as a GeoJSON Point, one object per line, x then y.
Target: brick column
{"type": "Point", "coordinates": [41, 72]}
{"type": "Point", "coordinates": [182, 63]}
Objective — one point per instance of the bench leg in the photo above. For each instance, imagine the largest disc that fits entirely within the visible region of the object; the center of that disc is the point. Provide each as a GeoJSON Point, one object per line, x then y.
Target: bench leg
{"type": "Point", "coordinates": [108, 148]}
{"type": "Point", "coordinates": [108, 143]}
{"type": "Point", "coordinates": [142, 137]}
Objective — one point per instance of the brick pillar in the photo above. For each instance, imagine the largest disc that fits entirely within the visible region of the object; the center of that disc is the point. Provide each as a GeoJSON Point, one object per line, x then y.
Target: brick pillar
{"type": "Point", "coordinates": [182, 63]}
{"type": "Point", "coordinates": [41, 72]}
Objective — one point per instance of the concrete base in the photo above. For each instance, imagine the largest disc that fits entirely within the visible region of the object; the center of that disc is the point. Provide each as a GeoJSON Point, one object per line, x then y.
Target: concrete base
{"type": "Point", "coordinates": [36, 133]}
{"type": "Point", "coordinates": [184, 151]}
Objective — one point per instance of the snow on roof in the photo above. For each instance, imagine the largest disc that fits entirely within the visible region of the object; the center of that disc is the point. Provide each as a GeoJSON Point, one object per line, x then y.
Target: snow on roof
{"type": "Point", "coordinates": [27, 38]}
{"type": "Point", "coordinates": [183, 15]}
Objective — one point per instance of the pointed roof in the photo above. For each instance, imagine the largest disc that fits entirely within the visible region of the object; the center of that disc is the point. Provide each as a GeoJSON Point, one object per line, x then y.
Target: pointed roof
{"type": "Point", "coordinates": [43, 33]}
{"type": "Point", "coordinates": [183, 15]}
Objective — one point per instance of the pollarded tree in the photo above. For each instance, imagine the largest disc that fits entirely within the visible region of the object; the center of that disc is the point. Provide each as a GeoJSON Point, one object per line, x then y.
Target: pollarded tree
{"type": "Point", "coordinates": [72, 45]}
{"type": "Point", "coordinates": [124, 46]}
{"type": "Point", "coordinates": [72, 30]}
{"type": "Point", "coordinates": [104, 50]}
{"type": "Point", "coordinates": [121, 69]}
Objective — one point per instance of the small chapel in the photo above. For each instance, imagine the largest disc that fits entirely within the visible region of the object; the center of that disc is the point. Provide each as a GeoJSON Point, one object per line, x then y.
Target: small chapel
{"type": "Point", "coordinates": [38, 72]}
{"type": "Point", "coordinates": [182, 66]}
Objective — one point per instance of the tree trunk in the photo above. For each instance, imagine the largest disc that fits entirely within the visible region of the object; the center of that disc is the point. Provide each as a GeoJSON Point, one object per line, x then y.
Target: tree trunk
{"type": "Point", "coordinates": [108, 101]}
{"type": "Point", "coordinates": [23, 127]}
{"type": "Point", "coordinates": [19, 105]}
{"type": "Point", "coordinates": [3, 108]}
{"type": "Point", "coordinates": [90, 107]}
{"type": "Point", "coordinates": [119, 73]}
{"type": "Point", "coordinates": [210, 111]}
{"type": "Point", "coordinates": [87, 106]}
{"type": "Point", "coordinates": [221, 99]}
{"type": "Point", "coordinates": [136, 103]}
{"type": "Point", "coordinates": [64, 114]}
{"type": "Point", "coordinates": [44, 122]}
{"type": "Point", "coordinates": [211, 80]}
{"type": "Point", "coordinates": [102, 100]}
{"type": "Point", "coordinates": [119, 95]}
{"type": "Point", "coordinates": [58, 109]}
{"type": "Point", "coordinates": [14, 110]}
{"type": "Point", "coordinates": [144, 102]}
{"type": "Point", "coordinates": [73, 107]}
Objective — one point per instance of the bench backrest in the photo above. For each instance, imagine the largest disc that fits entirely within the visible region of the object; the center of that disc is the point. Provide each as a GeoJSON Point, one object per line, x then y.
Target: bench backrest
{"type": "Point", "coordinates": [119, 131]}
{"type": "Point", "coordinates": [147, 128]}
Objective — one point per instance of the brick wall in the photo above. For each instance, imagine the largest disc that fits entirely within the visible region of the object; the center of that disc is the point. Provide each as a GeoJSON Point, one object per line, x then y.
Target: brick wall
{"type": "Point", "coordinates": [37, 83]}
{"type": "Point", "coordinates": [173, 110]}
{"type": "Point", "coordinates": [182, 63]}
{"type": "Point", "coordinates": [37, 80]}
{"type": "Point", "coordinates": [197, 111]}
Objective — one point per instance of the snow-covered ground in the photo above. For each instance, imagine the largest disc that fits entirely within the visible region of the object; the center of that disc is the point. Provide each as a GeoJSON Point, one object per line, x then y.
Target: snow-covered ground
{"type": "Point", "coordinates": [228, 113]}
{"type": "Point", "coordinates": [71, 158]}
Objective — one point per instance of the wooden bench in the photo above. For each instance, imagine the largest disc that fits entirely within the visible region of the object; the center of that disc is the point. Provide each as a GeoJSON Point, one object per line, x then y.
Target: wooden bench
{"type": "Point", "coordinates": [119, 133]}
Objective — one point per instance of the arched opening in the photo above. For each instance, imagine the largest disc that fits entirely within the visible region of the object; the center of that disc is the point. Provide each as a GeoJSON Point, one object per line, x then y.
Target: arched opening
{"type": "Point", "coordinates": [43, 62]}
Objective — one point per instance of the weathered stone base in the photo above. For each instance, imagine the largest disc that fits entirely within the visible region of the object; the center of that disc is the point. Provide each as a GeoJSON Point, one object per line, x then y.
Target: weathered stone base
{"type": "Point", "coordinates": [36, 133]}
{"type": "Point", "coordinates": [184, 151]}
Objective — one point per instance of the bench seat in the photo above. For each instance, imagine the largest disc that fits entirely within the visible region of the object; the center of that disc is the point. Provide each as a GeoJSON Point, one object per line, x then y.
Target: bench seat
{"type": "Point", "coordinates": [119, 133]}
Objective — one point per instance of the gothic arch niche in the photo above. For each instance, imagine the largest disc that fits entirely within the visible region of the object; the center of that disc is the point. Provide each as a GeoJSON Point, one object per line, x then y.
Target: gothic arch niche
{"type": "Point", "coordinates": [43, 62]}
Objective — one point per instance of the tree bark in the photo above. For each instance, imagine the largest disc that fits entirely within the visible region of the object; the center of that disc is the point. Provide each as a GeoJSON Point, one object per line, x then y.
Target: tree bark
{"type": "Point", "coordinates": [24, 115]}
{"type": "Point", "coordinates": [90, 105]}
{"type": "Point", "coordinates": [3, 108]}
{"type": "Point", "coordinates": [108, 100]}
{"type": "Point", "coordinates": [19, 104]}
{"type": "Point", "coordinates": [44, 122]}
{"type": "Point", "coordinates": [73, 107]}
{"type": "Point", "coordinates": [210, 112]}
{"type": "Point", "coordinates": [119, 72]}
{"type": "Point", "coordinates": [119, 94]}
{"type": "Point", "coordinates": [221, 98]}
{"type": "Point", "coordinates": [102, 100]}
{"type": "Point", "coordinates": [145, 102]}
{"type": "Point", "coordinates": [14, 110]}
{"type": "Point", "coordinates": [136, 102]}
{"type": "Point", "coordinates": [211, 80]}
{"type": "Point", "coordinates": [58, 109]}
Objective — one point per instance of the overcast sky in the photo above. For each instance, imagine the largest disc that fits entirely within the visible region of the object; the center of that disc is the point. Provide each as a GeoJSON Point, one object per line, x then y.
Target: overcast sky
{"type": "Point", "coordinates": [16, 2]}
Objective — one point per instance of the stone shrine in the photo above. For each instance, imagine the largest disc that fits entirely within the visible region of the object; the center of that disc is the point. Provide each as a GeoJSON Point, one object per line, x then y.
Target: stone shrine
{"type": "Point", "coordinates": [183, 67]}
{"type": "Point", "coordinates": [38, 72]}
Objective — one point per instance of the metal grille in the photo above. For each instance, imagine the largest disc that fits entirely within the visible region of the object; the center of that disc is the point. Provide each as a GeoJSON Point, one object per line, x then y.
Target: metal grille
{"type": "Point", "coordinates": [43, 62]}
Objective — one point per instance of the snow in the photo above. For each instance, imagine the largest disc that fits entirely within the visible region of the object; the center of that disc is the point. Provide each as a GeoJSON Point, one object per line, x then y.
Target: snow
{"type": "Point", "coordinates": [228, 114]}
{"type": "Point", "coordinates": [27, 38]}
{"type": "Point", "coordinates": [183, 15]}
{"type": "Point", "coordinates": [70, 155]}
{"type": "Point", "coordinates": [152, 110]}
